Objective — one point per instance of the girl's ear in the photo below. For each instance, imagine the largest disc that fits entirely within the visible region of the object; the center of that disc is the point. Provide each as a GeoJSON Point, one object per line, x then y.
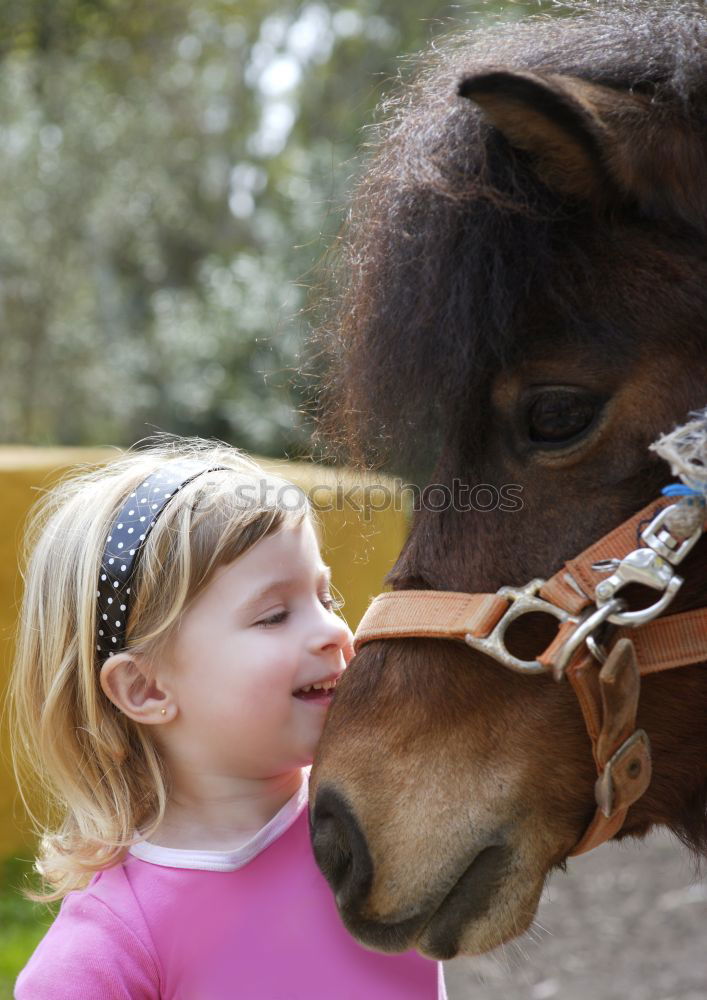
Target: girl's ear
{"type": "Point", "coordinates": [127, 683]}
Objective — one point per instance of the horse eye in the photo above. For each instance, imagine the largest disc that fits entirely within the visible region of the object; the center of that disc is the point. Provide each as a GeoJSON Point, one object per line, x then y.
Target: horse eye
{"type": "Point", "coordinates": [557, 416]}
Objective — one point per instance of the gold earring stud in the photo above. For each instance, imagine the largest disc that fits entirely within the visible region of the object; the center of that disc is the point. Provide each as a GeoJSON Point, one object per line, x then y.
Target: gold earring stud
{"type": "Point", "coordinates": [164, 711]}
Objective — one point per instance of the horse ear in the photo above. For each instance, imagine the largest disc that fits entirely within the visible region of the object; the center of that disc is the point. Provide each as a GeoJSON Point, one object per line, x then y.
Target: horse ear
{"type": "Point", "coordinates": [595, 143]}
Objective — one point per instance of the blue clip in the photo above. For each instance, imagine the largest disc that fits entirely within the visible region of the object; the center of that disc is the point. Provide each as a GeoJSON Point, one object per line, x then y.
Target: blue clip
{"type": "Point", "coordinates": [680, 490]}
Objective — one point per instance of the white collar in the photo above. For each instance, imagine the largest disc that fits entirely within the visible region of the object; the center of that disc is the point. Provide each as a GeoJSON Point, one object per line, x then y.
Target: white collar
{"type": "Point", "coordinates": [228, 861]}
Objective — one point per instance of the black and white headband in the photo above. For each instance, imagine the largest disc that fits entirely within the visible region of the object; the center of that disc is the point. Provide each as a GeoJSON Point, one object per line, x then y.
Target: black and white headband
{"type": "Point", "coordinates": [124, 543]}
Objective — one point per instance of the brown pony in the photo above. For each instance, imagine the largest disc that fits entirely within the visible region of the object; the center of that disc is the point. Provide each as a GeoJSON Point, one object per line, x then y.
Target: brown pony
{"type": "Point", "coordinates": [523, 300]}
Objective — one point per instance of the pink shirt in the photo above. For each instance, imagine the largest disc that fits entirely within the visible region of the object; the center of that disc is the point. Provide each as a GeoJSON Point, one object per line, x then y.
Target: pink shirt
{"type": "Point", "coordinates": [258, 923]}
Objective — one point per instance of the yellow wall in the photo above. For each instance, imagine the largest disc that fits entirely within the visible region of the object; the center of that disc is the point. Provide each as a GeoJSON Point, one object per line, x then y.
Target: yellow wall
{"type": "Point", "coordinates": [360, 547]}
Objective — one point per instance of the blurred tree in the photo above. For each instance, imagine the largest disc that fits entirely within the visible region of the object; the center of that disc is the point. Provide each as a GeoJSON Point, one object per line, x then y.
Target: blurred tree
{"type": "Point", "coordinates": [169, 173]}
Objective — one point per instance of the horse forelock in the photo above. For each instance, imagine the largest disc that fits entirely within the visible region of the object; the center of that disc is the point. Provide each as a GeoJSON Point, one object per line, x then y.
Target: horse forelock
{"type": "Point", "coordinates": [453, 240]}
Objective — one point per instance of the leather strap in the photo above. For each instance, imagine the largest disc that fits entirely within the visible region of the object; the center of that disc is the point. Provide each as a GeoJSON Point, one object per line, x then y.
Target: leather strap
{"type": "Point", "coordinates": [609, 702]}
{"type": "Point", "coordinates": [434, 614]}
{"type": "Point", "coordinates": [451, 615]}
{"type": "Point", "coordinates": [666, 643]}
{"type": "Point", "coordinates": [608, 697]}
{"type": "Point", "coordinates": [572, 588]}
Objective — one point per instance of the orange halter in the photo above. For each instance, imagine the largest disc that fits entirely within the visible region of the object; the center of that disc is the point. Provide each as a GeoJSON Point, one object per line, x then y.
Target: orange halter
{"type": "Point", "coordinates": [608, 696]}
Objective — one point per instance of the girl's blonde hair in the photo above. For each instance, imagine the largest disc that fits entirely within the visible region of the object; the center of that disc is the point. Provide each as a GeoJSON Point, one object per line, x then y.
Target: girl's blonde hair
{"type": "Point", "coordinates": [99, 774]}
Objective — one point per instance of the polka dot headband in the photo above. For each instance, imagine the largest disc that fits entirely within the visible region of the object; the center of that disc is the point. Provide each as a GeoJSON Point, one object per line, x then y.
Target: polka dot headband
{"type": "Point", "coordinates": [127, 536]}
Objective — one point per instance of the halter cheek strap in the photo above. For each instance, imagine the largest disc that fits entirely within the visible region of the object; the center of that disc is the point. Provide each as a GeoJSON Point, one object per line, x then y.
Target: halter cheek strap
{"type": "Point", "coordinates": [582, 597]}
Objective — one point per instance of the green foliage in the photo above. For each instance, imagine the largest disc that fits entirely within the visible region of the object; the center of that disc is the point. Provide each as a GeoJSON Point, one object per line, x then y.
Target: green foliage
{"type": "Point", "coordinates": [22, 923]}
{"type": "Point", "coordinates": [171, 173]}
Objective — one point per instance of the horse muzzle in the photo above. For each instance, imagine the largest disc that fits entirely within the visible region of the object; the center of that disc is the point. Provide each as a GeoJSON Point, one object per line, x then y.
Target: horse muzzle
{"type": "Point", "coordinates": [433, 925]}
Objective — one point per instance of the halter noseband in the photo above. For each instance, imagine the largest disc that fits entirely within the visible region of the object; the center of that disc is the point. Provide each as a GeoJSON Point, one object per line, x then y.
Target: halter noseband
{"type": "Point", "coordinates": [644, 549]}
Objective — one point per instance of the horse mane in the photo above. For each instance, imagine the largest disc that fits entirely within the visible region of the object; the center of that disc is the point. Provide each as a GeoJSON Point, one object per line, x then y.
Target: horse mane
{"type": "Point", "coordinates": [451, 234]}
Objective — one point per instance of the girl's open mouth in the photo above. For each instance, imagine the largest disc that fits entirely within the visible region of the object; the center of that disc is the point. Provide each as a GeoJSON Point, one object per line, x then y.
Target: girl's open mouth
{"type": "Point", "coordinates": [321, 692]}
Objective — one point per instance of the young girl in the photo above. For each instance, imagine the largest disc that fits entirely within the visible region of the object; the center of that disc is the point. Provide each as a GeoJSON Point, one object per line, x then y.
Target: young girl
{"type": "Point", "coordinates": [178, 650]}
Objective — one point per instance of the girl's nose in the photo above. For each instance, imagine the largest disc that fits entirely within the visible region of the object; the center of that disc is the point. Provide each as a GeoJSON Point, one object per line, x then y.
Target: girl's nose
{"type": "Point", "coordinates": [335, 634]}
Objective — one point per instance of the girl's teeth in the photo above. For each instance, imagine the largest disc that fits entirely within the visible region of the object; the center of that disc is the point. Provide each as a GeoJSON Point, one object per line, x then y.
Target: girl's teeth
{"type": "Point", "coordinates": [323, 686]}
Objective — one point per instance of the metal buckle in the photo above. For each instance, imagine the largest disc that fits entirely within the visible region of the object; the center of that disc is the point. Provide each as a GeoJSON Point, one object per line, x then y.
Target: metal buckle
{"type": "Point", "coordinates": [605, 790]}
{"type": "Point", "coordinates": [589, 623]}
{"type": "Point", "coordinates": [651, 566]}
{"type": "Point", "coordinates": [664, 543]}
{"type": "Point", "coordinates": [643, 566]}
{"type": "Point", "coordinates": [523, 601]}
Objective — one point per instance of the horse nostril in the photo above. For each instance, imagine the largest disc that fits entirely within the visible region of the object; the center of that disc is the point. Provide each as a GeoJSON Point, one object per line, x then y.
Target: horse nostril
{"type": "Point", "coordinates": [331, 850]}
{"type": "Point", "coordinates": [340, 848]}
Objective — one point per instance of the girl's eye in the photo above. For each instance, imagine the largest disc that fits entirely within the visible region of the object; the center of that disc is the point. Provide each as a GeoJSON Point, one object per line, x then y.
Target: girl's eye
{"type": "Point", "coordinates": [331, 603]}
{"type": "Point", "coordinates": [276, 619]}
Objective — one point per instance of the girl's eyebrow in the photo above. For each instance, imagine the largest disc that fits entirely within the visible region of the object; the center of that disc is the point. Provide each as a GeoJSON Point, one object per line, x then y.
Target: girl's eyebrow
{"type": "Point", "coordinates": [278, 586]}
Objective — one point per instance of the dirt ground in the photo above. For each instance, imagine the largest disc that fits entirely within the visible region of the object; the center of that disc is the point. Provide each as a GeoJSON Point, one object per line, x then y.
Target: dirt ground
{"type": "Point", "coordinates": [627, 922]}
